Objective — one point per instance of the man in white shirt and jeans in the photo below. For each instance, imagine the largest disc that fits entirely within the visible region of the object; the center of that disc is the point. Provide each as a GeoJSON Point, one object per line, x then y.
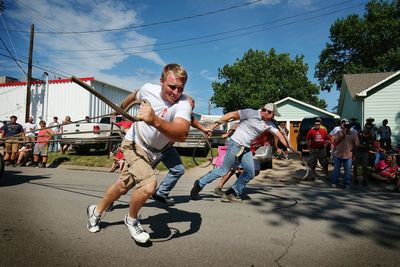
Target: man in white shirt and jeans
{"type": "Point", "coordinates": [252, 123]}
{"type": "Point", "coordinates": [165, 119]}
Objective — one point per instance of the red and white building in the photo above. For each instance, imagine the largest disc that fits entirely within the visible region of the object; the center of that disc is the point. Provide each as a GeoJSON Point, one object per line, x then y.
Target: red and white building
{"type": "Point", "coordinates": [58, 98]}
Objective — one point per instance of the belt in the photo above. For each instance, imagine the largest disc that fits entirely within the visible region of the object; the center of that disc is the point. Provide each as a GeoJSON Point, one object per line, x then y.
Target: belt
{"type": "Point", "coordinates": [147, 146]}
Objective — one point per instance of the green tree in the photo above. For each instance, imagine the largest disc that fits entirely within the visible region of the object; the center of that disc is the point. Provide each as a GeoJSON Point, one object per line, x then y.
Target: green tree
{"type": "Point", "coordinates": [259, 78]}
{"type": "Point", "coordinates": [361, 45]}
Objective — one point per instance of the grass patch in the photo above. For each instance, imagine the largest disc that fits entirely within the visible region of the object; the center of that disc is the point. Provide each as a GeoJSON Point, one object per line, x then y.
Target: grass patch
{"type": "Point", "coordinates": [96, 159]}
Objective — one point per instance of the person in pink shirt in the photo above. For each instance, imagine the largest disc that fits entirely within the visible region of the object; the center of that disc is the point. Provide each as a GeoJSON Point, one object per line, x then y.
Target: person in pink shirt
{"type": "Point", "coordinates": [42, 145]}
{"type": "Point", "coordinates": [346, 141]}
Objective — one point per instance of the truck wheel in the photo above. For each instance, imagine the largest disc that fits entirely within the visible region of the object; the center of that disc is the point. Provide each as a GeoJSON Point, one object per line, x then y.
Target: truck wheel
{"type": "Point", "coordinates": [81, 150]}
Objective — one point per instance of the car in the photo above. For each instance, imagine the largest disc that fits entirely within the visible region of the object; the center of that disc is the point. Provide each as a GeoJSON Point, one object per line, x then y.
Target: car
{"type": "Point", "coordinates": [307, 123]}
{"type": "Point", "coordinates": [195, 140]}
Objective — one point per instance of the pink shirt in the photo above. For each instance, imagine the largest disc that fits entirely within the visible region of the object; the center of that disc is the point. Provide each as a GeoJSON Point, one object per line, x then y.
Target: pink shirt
{"type": "Point", "coordinates": [345, 147]}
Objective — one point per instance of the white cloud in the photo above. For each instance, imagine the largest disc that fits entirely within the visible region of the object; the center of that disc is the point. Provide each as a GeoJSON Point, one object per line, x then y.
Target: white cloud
{"type": "Point", "coordinates": [207, 75]}
{"type": "Point", "coordinates": [264, 3]}
{"type": "Point", "coordinates": [86, 15]}
{"type": "Point", "coordinates": [292, 3]}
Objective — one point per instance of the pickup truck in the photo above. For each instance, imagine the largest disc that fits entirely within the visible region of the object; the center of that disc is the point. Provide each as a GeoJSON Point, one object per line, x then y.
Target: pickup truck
{"type": "Point", "coordinates": [85, 136]}
{"type": "Point", "coordinates": [194, 140]}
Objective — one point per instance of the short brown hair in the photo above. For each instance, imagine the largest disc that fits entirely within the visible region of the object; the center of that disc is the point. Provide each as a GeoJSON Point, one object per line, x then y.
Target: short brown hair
{"type": "Point", "coordinates": [177, 70]}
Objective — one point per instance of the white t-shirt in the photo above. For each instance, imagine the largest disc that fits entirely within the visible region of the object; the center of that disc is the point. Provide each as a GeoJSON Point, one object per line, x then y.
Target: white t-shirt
{"type": "Point", "coordinates": [338, 129]}
{"type": "Point", "coordinates": [30, 127]}
{"type": "Point", "coordinates": [250, 126]}
{"type": "Point", "coordinates": [55, 128]}
{"type": "Point", "coordinates": [162, 109]}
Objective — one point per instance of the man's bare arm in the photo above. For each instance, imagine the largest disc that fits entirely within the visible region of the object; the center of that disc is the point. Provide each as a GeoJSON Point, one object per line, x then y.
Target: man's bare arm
{"type": "Point", "coordinates": [177, 130]}
{"type": "Point", "coordinates": [234, 115]}
{"type": "Point", "coordinates": [129, 99]}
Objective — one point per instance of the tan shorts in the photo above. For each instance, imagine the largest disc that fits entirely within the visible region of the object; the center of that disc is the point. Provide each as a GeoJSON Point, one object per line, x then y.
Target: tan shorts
{"type": "Point", "coordinates": [12, 145]}
{"type": "Point", "coordinates": [137, 170]}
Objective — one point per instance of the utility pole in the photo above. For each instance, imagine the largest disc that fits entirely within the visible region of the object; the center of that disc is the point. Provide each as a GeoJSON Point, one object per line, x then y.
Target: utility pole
{"type": "Point", "coordinates": [29, 78]}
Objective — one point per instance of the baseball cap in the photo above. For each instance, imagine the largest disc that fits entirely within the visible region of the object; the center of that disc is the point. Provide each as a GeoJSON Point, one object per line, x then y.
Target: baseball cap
{"type": "Point", "coordinates": [272, 107]}
{"type": "Point", "coordinates": [345, 121]}
{"type": "Point", "coordinates": [318, 119]}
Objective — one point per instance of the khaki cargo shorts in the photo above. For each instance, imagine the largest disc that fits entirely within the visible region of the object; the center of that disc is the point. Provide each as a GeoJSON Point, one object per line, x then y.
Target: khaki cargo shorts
{"type": "Point", "coordinates": [137, 170]}
{"type": "Point", "coordinates": [12, 145]}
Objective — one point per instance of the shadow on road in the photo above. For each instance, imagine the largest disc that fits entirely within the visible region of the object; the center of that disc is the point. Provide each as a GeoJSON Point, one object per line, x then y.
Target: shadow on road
{"type": "Point", "coordinates": [11, 178]}
{"type": "Point", "coordinates": [58, 161]}
{"type": "Point", "coordinates": [346, 211]}
{"type": "Point", "coordinates": [163, 232]}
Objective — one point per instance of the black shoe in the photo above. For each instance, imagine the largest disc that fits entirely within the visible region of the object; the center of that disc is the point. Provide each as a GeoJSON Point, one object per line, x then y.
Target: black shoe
{"type": "Point", "coordinates": [195, 190]}
{"type": "Point", "coordinates": [166, 200]}
{"type": "Point", "coordinates": [110, 208]}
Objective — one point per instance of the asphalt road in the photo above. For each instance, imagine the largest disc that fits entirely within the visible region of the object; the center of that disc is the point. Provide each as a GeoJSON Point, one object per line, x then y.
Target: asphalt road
{"type": "Point", "coordinates": [283, 222]}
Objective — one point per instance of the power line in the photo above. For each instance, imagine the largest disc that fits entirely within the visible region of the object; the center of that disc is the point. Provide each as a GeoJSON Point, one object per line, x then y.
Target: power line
{"type": "Point", "coordinates": [213, 40]}
{"type": "Point", "coordinates": [39, 67]}
{"type": "Point", "coordinates": [12, 56]}
{"type": "Point", "coordinates": [204, 36]}
{"type": "Point", "coordinates": [149, 24]}
{"type": "Point", "coordinates": [55, 27]}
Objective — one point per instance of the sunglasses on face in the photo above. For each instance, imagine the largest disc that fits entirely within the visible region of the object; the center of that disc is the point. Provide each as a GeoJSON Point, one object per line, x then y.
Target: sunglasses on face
{"type": "Point", "coordinates": [317, 124]}
{"type": "Point", "coordinates": [265, 110]}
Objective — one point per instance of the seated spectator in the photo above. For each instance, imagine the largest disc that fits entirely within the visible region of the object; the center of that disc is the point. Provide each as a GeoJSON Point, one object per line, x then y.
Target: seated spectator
{"type": "Point", "coordinates": [25, 155]}
{"type": "Point", "coordinates": [119, 160]}
{"type": "Point", "coordinates": [379, 153]}
{"type": "Point", "coordinates": [386, 168]}
{"type": "Point", "coordinates": [124, 125]}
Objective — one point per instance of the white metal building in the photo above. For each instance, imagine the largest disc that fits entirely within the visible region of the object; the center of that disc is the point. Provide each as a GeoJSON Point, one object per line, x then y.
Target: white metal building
{"type": "Point", "coordinates": [57, 98]}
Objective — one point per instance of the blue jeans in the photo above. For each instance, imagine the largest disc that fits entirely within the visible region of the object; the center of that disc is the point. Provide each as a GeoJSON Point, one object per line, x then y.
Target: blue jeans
{"type": "Point", "coordinates": [336, 170]}
{"type": "Point", "coordinates": [246, 160]}
{"type": "Point", "coordinates": [170, 158]}
{"type": "Point", "coordinates": [379, 156]}
{"type": "Point", "coordinates": [53, 146]}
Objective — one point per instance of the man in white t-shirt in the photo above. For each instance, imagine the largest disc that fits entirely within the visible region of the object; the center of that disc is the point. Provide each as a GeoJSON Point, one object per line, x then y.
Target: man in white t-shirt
{"type": "Point", "coordinates": [165, 119]}
{"type": "Point", "coordinates": [30, 129]}
{"type": "Point", "coordinates": [251, 124]}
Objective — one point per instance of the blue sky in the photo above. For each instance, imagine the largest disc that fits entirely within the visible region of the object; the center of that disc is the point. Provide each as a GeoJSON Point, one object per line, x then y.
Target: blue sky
{"type": "Point", "coordinates": [143, 35]}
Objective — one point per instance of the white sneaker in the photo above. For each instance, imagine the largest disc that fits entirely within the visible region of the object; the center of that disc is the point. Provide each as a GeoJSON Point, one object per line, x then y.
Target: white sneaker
{"type": "Point", "coordinates": [136, 230]}
{"type": "Point", "coordinates": [333, 185]}
{"type": "Point", "coordinates": [93, 224]}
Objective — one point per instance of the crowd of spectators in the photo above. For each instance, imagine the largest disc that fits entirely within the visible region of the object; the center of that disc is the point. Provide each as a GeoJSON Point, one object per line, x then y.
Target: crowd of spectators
{"type": "Point", "coordinates": [354, 147]}
{"type": "Point", "coordinates": [28, 144]}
